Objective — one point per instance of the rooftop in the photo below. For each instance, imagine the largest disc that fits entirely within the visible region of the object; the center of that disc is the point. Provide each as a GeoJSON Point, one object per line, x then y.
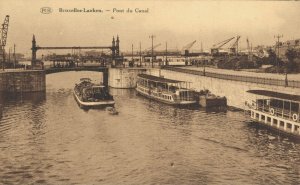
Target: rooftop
{"type": "Point", "coordinates": [158, 79]}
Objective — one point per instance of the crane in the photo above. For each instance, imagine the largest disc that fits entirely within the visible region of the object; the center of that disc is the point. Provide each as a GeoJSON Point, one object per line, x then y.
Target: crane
{"type": "Point", "coordinates": [248, 46]}
{"type": "Point", "coordinates": [188, 46]}
{"type": "Point", "coordinates": [250, 56]}
{"type": "Point", "coordinates": [4, 31]}
{"type": "Point", "coordinates": [148, 50]}
{"type": "Point", "coordinates": [234, 47]}
{"type": "Point", "coordinates": [216, 47]}
{"type": "Point", "coordinates": [155, 46]}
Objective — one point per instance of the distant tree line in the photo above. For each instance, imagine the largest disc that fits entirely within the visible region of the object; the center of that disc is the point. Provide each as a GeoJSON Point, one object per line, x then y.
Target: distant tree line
{"type": "Point", "coordinates": [289, 66]}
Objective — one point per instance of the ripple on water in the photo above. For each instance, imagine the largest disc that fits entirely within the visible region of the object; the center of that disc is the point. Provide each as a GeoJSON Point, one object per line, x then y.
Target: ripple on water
{"type": "Point", "coordinates": [51, 140]}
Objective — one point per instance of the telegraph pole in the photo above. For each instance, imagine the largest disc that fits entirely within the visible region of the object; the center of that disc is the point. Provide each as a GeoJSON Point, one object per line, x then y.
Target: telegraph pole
{"type": "Point", "coordinates": [237, 45]}
{"type": "Point", "coordinates": [166, 54]}
{"type": "Point", "coordinates": [277, 58]}
{"type": "Point", "coordinates": [140, 54]}
{"type": "Point", "coordinates": [152, 57]}
{"type": "Point", "coordinates": [132, 55]}
{"type": "Point", "coordinates": [201, 47]}
{"type": "Point", "coordinates": [15, 60]}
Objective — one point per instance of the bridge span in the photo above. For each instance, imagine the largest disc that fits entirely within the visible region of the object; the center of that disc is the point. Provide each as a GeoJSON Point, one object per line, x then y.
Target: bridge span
{"type": "Point", "coordinates": [81, 68]}
{"type": "Point", "coordinates": [17, 81]}
{"type": "Point", "coordinates": [104, 71]}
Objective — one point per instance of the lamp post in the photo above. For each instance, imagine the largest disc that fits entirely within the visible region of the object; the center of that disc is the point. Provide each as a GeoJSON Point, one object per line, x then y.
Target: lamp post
{"type": "Point", "coordinates": [286, 78]}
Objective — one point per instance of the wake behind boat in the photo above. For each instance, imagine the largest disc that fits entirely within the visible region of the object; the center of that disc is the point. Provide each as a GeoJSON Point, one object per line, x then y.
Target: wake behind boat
{"type": "Point", "coordinates": [90, 95]}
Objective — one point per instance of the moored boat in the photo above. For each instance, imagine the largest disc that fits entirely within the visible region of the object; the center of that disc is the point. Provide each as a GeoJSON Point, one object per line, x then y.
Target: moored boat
{"type": "Point", "coordinates": [279, 111]}
{"type": "Point", "coordinates": [165, 90]}
{"type": "Point", "coordinates": [209, 100]}
{"type": "Point", "coordinates": [90, 95]}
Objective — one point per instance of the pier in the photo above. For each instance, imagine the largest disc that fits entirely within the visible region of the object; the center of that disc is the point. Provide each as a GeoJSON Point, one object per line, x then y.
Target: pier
{"type": "Point", "coordinates": [15, 81]}
{"type": "Point", "coordinates": [233, 88]}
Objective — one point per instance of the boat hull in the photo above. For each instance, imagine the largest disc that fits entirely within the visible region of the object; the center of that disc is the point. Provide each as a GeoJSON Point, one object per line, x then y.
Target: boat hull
{"type": "Point", "coordinates": [279, 124]}
{"type": "Point", "coordinates": [102, 103]}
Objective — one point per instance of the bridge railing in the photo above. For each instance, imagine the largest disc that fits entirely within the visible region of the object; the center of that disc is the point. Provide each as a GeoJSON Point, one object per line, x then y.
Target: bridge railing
{"type": "Point", "coordinates": [249, 79]}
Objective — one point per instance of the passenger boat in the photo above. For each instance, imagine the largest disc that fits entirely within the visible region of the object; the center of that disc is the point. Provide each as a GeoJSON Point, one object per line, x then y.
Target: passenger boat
{"type": "Point", "coordinates": [276, 110]}
{"type": "Point", "coordinates": [90, 95]}
{"type": "Point", "coordinates": [165, 90]}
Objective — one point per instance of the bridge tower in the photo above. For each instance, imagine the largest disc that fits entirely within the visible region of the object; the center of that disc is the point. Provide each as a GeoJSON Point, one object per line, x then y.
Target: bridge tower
{"type": "Point", "coordinates": [113, 48]}
{"type": "Point", "coordinates": [34, 50]}
{"type": "Point", "coordinates": [118, 46]}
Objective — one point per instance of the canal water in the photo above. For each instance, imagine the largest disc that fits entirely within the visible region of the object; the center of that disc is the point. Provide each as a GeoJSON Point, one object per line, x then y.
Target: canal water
{"type": "Point", "coordinates": [47, 139]}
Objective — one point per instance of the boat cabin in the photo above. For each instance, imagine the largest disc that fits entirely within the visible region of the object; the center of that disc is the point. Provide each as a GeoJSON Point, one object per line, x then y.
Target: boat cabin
{"type": "Point", "coordinates": [95, 93]}
{"type": "Point", "coordinates": [171, 90]}
{"type": "Point", "coordinates": [279, 110]}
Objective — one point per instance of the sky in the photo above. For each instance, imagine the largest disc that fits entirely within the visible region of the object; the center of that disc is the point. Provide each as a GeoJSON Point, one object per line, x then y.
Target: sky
{"type": "Point", "coordinates": [173, 21]}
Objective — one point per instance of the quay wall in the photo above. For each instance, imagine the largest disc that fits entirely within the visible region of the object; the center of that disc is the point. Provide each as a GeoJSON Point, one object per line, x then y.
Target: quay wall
{"type": "Point", "coordinates": [124, 78]}
{"type": "Point", "coordinates": [234, 91]}
{"type": "Point", "coordinates": [22, 81]}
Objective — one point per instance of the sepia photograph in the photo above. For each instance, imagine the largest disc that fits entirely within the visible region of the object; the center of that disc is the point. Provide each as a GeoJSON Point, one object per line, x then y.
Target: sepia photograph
{"type": "Point", "coordinates": [128, 92]}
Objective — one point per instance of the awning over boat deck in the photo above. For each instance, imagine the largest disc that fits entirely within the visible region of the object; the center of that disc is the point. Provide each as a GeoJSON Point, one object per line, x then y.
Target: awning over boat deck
{"type": "Point", "coordinates": [158, 79]}
{"type": "Point", "coordinates": [277, 95]}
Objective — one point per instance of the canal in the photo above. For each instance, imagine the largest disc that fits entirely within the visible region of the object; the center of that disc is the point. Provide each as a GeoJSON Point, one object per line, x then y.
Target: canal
{"type": "Point", "coordinates": [47, 139]}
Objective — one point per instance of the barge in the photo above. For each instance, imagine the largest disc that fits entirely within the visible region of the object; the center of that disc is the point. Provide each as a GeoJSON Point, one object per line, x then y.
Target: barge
{"type": "Point", "coordinates": [165, 90]}
{"type": "Point", "coordinates": [209, 100]}
{"type": "Point", "coordinates": [279, 111]}
{"type": "Point", "coordinates": [90, 95]}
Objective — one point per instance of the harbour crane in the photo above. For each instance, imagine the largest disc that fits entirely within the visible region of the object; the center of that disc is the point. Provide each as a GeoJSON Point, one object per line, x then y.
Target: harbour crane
{"type": "Point", "coordinates": [216, 47]}
{"type": "Point", "coordinates": [148, 50]}
{"type": "Point", "coordinates": [234, 47]}
{"type": "Point", "coordinates": [4, 31]}
{"type": "Point", "coordinates": [187, 47]}
{"type": "Point", "coordinates": [250, 56]}
{"type": "Point", "coordinates": [155, 46]}
{"type": "Point", "coordinates": [248, 45]}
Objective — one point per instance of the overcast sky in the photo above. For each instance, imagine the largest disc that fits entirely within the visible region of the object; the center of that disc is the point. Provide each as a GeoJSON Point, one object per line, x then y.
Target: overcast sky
{"type": "Point", "coordinates": [175, 22]}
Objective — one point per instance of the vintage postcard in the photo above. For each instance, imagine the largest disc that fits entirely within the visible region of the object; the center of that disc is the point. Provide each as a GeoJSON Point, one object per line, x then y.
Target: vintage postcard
{"type": "Point", "coordinates": [149, 92]}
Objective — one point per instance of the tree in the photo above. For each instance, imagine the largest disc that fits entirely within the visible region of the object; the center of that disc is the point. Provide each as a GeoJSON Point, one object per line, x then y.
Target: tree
{"type": "Point", "coordinates": [272, 57]}
{"type": "Point", "coordinates": [291, 54]}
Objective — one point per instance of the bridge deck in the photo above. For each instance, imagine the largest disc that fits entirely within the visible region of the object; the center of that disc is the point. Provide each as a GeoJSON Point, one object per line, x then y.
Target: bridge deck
{"type": "Point", "coordinates": [90, 68]}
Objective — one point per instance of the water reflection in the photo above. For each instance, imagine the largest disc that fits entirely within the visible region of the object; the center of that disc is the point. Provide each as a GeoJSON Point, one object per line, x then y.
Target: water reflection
{"type": "Point", "coordinates": [32, 101]}
{"type": "Point", "coordinates": [33, 97]}
{"type": "Point", "coordinates": [48, 139]}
